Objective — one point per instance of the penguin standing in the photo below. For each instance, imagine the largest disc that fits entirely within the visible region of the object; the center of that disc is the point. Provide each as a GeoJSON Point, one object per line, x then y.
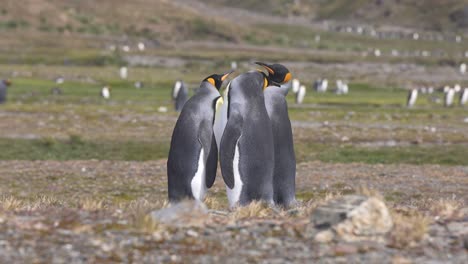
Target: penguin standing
{"type": "Point", "coordinates": [412, 96]}
{"type": "Point", "coordinates": [323, 86]}
{"type": "Point", "coordinates": [3, 90]}
{"type": "Point", "coordinates": [179, 95]}
{"type": "Point", "coordinates": [284, 175]}
{"type": "Point", "coordinates": [123, 73]}
{"type": "Point", "coordinates": [193, 156]}
{"type": "Point", "coordinates": [448, 99]}
{"type": "Point", "coordinates": [246, 149]}
{"type": "Point", "coordinates": [295, 86]}
{"type": "Point", "coordinates": [300, 94]}
{"type": "Point", "coordinates": [463, 96]}
{"type": "Point", "coordinates": [105, 92]}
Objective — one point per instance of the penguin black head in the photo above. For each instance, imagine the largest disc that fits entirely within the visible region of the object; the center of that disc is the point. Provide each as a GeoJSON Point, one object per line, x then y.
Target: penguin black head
{"type": "Point", "coordinates": [217, 79]}
{"type": "Point", "coordinates": [277, 73]}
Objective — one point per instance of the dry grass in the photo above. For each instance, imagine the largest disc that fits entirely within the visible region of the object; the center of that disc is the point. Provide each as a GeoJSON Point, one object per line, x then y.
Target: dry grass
{"type": "Point", "coordinates": [214, 204]}
{"type": "Point", "coordinates": [138, 213]}
{"type": "Point", "coordinates": [90, 204]}
{"type": "Point", "coordinates": [306, 208]}
{"type": "Point", "coordinates": [11, 203]}
{"type": "Point", "coordinates": [409, 228]}
{"type": "Point", "coordinates": [255, 209]}
{"type": "Point", "coordinates": [364, 190]}
{"type": "Point", "coordinates": [444, 209]}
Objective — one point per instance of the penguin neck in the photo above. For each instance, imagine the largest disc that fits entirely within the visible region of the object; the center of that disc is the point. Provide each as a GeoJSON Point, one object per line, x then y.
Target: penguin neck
{"type": "Point", "coordinates": [278, 89]}
{"type": "Point", "coordinates": [205, 86]}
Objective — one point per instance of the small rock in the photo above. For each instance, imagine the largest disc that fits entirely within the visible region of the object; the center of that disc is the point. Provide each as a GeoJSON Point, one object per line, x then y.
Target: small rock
{"type": "Point", "coordinates": [345, 249]}
{"type": "Point", "coordinates": [186, 213]}
{"type": "Point", "coordinates": [324, 236]}
{"type": "Point", "coordinates": [192, 233]}
{"type": "Point", "coordinates": [354, 218]}
{"type": "Point", "coordinates": [273, 241]}
{"type": "Point", "coordinates": [458, 228]}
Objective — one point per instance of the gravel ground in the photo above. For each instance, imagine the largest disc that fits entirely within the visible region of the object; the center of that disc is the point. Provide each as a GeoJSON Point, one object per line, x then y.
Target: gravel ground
{"type": "Point", "coordinates": [51, 222]}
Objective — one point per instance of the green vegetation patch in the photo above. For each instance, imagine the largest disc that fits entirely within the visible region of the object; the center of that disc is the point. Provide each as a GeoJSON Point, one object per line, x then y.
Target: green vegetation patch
{"type": "Point", "coordinates": [75, 148]}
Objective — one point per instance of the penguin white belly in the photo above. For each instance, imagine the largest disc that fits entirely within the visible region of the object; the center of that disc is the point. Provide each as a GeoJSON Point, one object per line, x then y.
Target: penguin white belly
{"type": "Point", "coordinates": [220, 123]}
{"type": "Point", "coordinates": [198, 182]}
{"type": "Point", "coordinates": [464, 97]}
{"type": "Point", "coordinates": [234, 193]}
{"type": "Point", "coordinates": [176, 90]}
{"type": "Point", "coordinates": [221, 117]}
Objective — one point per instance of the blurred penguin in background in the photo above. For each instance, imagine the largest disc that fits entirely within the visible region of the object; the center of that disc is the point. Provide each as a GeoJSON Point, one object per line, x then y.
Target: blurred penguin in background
{"type": "Point", "coordinates": [123, 73]}
{"type": "Point", "coordinates": [3, 90]}
{"type": "Point", "coordinates": [105, 92]}
{"type": "Point", "coordinates": [464, 96]}
{"type": "Point", "coordinates": [448, 99]}
{"type": "Point", "coordinates": [295, 86]}
{"type": "Point", "coordinates": [412, 96]}
{"type": "Point", "coordinates": [179, 95]}
{"type": "Point", "coordinates": [300, 94]}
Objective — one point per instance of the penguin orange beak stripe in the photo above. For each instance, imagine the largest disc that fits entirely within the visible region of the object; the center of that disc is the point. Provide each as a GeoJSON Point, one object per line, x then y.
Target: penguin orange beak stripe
{"type": "Point", "coordinates": [270, 70]}
{"type": "Point", "coordinates": [226, 75]}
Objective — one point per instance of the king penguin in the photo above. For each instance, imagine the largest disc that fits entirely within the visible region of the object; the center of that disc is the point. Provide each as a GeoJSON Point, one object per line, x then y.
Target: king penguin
{"type": "Point", "coordinates": [284, 175]}
{"type": "Point", "coordinates": [193, 155]}
{"type": "Point", "coordinates": [246, 148]}
{"type": "Point", "coordinates": [3, 90]}
{"type": "Point", "coordinates": [179, 95]}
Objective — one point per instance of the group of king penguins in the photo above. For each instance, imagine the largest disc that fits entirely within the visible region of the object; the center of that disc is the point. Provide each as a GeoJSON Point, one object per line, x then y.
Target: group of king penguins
{"type": "Point", "coordinates": [248, 130]}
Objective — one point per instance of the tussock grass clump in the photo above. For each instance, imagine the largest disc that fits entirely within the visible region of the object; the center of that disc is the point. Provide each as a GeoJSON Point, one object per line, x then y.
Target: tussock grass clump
{"type": "Point", "coordinates": [140, 218]}
{"type": "Point", "coordinates": [90, 204]}
{"type": "Point", "coordinates": [255, 209]}
{"type": "Point", "coordinates": [11, 203]}
{"type": "Point", "coordinates": [446, 209]}
{"type": "Point", "coordinates": [409, 228]}
{"type": "Point", "coordinates": [214, 203]}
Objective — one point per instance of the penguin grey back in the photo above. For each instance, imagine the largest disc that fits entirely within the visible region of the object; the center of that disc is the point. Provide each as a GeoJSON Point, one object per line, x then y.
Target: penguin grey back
{"type": "Point", "coordinates": [284, 175]}
{"type": "Point", "coordinates": [193, 152]}
{"type": "Point", "coordinates": [246, 152]}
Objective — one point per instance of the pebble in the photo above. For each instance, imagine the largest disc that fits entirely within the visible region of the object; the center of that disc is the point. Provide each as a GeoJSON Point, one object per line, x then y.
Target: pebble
{"type": "Point", "coordinates": [324, 236]}
{"type": "Point", "coordinates": [344, 249]}
{"type": "Point", "coordinates": [192, 233]}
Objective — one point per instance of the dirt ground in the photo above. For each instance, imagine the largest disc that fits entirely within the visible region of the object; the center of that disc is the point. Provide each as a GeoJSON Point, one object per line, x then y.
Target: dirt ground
{"type": "Point", "coordinates": [94, 211]}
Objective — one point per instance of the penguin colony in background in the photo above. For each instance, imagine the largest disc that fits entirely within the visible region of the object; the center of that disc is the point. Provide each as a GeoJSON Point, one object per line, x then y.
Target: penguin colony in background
{"type": "Point", "coordinates": [449, 95]}
{"type": "Point", "coordinates": [251, 129]}
{"type": "Point", "coordinates": [3, 90]}
{"type": "Point", "coordinates": [179, 95]}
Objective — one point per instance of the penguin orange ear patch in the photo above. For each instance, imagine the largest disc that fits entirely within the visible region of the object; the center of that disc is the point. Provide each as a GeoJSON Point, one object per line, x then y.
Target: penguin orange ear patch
{"type": "Point", "coordinates": [212, 81]}
{"type": "Point", "coordinates": [287, 77]}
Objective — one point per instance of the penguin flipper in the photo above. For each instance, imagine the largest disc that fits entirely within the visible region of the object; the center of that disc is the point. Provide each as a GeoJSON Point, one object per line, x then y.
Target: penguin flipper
{"type": "Point", "coordinates": [212, 164]}
{"type": "Point", "coordinates": [231, 135]}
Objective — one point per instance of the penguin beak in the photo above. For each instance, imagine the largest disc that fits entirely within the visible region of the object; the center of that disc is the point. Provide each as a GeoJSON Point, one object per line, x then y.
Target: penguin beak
{"type": "Point", "coordinates": [269, 69]}
{"type": "Point", "coordinates": [226, 75]}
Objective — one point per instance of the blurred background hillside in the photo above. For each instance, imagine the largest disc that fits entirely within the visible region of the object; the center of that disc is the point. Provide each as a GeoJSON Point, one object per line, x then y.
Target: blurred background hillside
{"type": "Point", "coordinates": [81, 32]}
